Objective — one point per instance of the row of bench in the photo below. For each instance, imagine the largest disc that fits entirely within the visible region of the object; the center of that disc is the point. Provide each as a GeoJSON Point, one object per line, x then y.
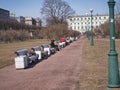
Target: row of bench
{"type": "Point", "coordinates": [26, 57]}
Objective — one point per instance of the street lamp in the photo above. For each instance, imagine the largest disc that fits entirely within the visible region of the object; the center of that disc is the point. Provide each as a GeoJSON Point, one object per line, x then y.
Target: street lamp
{"type": "Point", "coordinates": [87, 27]}
{"type": "Point", "coordinates": [91, 38]}
{"type": "Point", "coordinates": [113, 67]}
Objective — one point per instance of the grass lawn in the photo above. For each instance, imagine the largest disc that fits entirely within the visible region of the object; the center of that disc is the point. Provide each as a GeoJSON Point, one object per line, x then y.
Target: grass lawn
{"type": "Point", "coordinates": [7, 54]}
{"type": "Point", "coordinates": [95, 69]}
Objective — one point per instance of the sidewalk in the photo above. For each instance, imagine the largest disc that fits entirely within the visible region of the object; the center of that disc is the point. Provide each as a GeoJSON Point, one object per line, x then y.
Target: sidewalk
{"type": "Point", "coordinates": [59, 72]}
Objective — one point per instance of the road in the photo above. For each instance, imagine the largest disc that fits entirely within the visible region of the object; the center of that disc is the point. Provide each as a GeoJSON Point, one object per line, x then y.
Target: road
{"type": "Point", "coordinates": [60, 71]}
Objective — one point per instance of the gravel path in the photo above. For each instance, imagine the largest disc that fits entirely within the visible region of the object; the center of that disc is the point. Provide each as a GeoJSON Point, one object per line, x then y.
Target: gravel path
{"type": "Point", "coordinates": [60, 71]}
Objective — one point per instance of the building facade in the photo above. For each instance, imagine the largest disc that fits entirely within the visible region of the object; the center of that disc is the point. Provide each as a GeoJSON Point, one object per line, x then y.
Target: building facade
{"type": "Point", "coordinates": [30, 21]}
{"type": "Point", "coordinates": [13, 17]}
{"type": "Point", "coordinates": [21, 19]}
{"type": "Point", "coordinates": [38, 22]}
{"type": "Point", "coordinates": [4, 14]}
{"type": "Point", "coordinates": [83, 23]}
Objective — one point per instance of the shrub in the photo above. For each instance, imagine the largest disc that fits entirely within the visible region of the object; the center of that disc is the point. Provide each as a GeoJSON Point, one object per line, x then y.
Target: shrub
{"type": "Point", "coordinates": [13, 35]}
{"type": "Point", "coordinates": [57, 31]}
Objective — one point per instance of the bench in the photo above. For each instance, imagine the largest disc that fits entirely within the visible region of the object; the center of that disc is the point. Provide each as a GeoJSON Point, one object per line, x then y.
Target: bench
{"type": "Point", "coordinates": [38, 51]}
{"type": "Point", "coordinates": [42, 54]}
{"type": "Point", "coordinates": [21, 61]}
{"type": "Point", "coordinates": [24, 58]}
{"type": "Point", "coordinates": [46, 47]}
{"type": "Point", "coordinates": [32, 56]}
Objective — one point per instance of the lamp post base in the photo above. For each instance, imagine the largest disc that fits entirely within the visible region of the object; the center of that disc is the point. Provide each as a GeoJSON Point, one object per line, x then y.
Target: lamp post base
{"type": "Point", "coordinates": [113, 70]}
{"type": "Point", "coordinates": [91, 41]}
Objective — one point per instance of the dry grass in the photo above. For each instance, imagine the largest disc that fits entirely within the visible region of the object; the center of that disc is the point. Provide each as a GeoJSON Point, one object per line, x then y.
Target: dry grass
{"type": "Point", "coordinates": [94, 72]}
{"type": "Point", "coordinates": [7, 50]}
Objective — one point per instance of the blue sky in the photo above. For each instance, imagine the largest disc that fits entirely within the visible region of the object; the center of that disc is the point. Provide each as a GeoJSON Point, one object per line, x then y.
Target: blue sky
{"type": "Point", "coordinates": [32, 7]}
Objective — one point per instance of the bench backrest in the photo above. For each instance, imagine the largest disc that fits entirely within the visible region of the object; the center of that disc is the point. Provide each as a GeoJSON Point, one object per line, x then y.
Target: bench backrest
{"type": "Point", "coordinates": [45, 46]}
{"type": "Point", "coordinates": [21, 52]}
{"type": "Point", "coordinates": [37, 48]}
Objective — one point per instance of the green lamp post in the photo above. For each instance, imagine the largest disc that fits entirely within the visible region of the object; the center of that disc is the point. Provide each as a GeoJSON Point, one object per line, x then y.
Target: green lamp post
{"type": "Point", "coordinates": [91, 38]}
{"type": "Point", "coordinates": [113, 67]}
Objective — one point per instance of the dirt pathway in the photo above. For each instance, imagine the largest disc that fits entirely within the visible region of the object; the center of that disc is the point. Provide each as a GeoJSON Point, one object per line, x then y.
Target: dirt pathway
{"type": "Point", "coordinates": [59, 72]}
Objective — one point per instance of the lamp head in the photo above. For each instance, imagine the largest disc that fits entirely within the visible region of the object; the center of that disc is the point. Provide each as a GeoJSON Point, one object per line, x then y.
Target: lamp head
{"type": "Point", "coordinates": [91, 10]}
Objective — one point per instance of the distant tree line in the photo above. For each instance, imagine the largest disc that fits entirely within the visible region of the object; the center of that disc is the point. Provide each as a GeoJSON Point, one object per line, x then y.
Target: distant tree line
{"type": "Point", "coordinates": [103, 30]}
{"type": "Point", "coordinates": [58, 31]}
{"type": "Point", "coordinates": [14, 35]}
{"type": "Point", "coordinates": [7, 25]}
{"type": "Point", "coordinates": [13, 31]}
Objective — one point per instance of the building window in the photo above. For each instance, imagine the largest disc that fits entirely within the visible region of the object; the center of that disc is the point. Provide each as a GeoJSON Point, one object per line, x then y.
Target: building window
{"type": "Point", "coordinates": [95, 17]}
{"type": "Point", "coordinates": [74, 27]}
{"type": "Point", "coordinates": [82, 27]}
{"type": "Point", "coordinates": [81, 18]}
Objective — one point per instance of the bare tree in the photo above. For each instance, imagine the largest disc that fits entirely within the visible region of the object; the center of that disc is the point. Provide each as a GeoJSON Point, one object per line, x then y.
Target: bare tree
{"type": "Point", "coordinates": [118, 8]}
{"type": "Point", "coordinates": [56, 11]}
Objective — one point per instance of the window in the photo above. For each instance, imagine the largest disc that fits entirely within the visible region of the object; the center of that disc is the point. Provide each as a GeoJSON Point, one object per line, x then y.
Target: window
{"type": "Point", "coordinates": [74, 27]}
{"type": "Point", "coordinates": [71, 19]}
{"type": "Point", "coordinates": [95, 17]}
{"type": "Point", "coordinates": [82, 27]}
{"type": "Point", "coordinates": [81, 18]}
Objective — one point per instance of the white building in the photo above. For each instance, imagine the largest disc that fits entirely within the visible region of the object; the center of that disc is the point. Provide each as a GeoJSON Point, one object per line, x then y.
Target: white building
{"type": "Point", "coordinates": [30, 21]}
{"type": "Point", "coordinates": [13, 17]}
{"type": "Point", "coordinates": [38, 22]}
{"type": "Point", "coordinates": [21, 19]}
{"type": "Point", "coordinates": [83, 23]}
